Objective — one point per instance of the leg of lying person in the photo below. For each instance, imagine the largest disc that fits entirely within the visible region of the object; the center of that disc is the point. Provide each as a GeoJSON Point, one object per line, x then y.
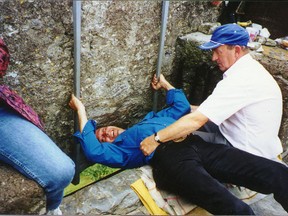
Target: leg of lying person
{"type": "Point", "coordinates": [28, 149]}
{"type": "Point", "coordinates": [231, 165]}
{"type": "Point", "coordinates": [210, 133]}
{"type": "Point", "coordinates": [177, 168]}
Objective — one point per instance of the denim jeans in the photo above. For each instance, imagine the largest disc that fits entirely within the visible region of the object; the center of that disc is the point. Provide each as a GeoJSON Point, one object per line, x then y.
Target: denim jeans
{"type": "Point", "coordinates": [28, 149]}
{"type": "Point", "coordinates": [196, 170]}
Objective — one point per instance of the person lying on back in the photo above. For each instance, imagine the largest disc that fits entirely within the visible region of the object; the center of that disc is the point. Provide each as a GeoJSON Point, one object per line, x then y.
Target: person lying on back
{"type": "Point", "coordinates": [117, 147]}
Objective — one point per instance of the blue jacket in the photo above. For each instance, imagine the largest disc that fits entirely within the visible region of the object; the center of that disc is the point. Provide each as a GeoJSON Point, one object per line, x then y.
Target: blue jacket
{"type": "Point", "coordinates": [125, 151]}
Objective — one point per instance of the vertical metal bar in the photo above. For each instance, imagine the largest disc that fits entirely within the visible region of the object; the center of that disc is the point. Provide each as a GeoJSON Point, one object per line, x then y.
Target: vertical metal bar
{"type": "Point", "coordinates": [77, 55]}
{"type": "Point", "coordinates": [77, 44]}
{"type": "Point", "coordinates": [164, 18]}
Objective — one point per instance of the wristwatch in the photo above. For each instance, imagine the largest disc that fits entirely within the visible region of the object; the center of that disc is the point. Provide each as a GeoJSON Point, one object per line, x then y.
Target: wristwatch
{"type": "Point", "coordinates": [157, 138]}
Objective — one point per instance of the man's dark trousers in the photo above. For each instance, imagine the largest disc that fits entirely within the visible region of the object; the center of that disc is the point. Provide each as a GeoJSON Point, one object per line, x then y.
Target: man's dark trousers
{"type": "Point", "coordinates": [195, 170]}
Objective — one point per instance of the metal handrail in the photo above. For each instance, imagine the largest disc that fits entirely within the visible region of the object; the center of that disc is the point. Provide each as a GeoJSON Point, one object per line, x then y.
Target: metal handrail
{"type": "Point", "coordinates": [77, 56]}
{"type": "Point", "coordinates": [165, 10]}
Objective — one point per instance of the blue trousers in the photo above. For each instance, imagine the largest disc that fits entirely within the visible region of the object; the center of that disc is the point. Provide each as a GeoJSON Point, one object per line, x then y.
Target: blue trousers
{"type": "Point", "coordinates": [28, 149]}
{"type": "Point", "coordinates": [196, 170]}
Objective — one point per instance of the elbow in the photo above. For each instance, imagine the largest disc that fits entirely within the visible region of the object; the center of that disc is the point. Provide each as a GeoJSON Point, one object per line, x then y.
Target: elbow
{"type": "Point", "coordinates": [198, 125]}
{"type": "Point", "coordinates": [90, 156]}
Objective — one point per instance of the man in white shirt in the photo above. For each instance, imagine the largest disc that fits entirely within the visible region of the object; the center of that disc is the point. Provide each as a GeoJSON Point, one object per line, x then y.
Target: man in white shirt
{"type": "Point", "coordinates": [246, 108]}
{"type": "Point", "coordinates": [246, 104]}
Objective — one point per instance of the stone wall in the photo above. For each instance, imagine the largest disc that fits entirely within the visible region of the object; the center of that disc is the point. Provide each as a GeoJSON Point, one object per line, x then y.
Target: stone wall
{"type": "Point", "coordinates": [18, 194]}
{"type": "Point", "coordinates": [118, 56]}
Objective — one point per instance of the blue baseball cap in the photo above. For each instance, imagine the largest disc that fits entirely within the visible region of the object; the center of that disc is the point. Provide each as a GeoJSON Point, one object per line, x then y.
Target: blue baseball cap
{"type": "Point", "coordinates": [229, 34]}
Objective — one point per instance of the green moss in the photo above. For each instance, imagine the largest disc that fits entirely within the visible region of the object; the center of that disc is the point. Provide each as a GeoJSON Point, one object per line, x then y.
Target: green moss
{"type": "Point", "coordinates": [89, 176]}
{"type": "Point", "coordinates": [98, 171]}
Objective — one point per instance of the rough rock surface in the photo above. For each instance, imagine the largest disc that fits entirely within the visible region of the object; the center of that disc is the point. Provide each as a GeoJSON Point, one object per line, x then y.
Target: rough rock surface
{"type": "Point", "coordinates": [19, 195]}
{"type": "Point", "coordinates": [114, 196]}
{"type": "Point", "coordinates": [109, 196]}
{"type": "Point", "coordinates": [119, 47]}
{"type": "Point", "coordinates": [119, 51]}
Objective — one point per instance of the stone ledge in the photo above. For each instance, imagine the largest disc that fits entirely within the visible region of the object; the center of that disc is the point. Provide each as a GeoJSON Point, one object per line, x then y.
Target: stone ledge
{"type": "Point", "coordinates": [18, 194]}
{"type": "Point", "coordinates": [111, 196]}
{"type": "Point", "coordinates": [114, 196]}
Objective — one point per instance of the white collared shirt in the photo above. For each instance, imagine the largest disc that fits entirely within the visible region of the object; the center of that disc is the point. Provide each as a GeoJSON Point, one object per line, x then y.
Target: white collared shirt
{"type": "Point", "coordinates": [247, 107]}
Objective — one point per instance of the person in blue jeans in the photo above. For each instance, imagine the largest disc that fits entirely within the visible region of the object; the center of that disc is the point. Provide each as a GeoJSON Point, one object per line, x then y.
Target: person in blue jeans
{"type": "Point", "coordinates": [29, 150]}
{"type": "Point", "coordinates": [189, 167]}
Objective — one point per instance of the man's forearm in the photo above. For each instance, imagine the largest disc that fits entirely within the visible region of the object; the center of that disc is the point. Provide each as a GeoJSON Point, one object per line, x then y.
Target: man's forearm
{"type": "Point", "coordinates": [184, 126]}
{"type": "Point", "coordinates": [181, 128]}
{"type": "Point", "coordinates": [82, 117]}
{"type": "Point", "coordinates": [167, 86]}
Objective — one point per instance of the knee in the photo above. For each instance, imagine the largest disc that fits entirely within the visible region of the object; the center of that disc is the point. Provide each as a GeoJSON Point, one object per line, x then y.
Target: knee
{"type": "Point", "coordinates": [62, 175]}
{"type": "Point", "coordinates": [67, 172]}
{"type": "Point", "coordinates": [280, 178]}
{"type": "Point", "coordinates": [279, 184]}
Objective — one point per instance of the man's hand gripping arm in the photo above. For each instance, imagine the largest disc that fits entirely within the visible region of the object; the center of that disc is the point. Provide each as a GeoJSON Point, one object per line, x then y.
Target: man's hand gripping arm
{"type": "Point", "coordinates": [181, 128]}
